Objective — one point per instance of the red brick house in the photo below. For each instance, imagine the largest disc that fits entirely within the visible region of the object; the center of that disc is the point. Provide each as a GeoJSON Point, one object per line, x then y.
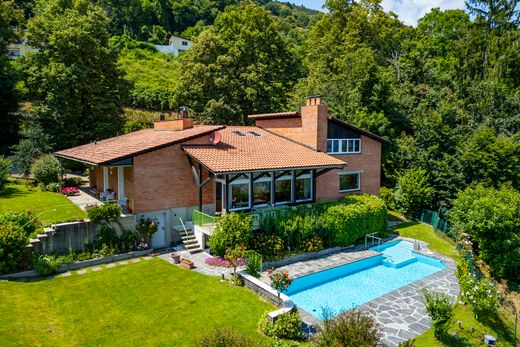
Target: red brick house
{"type": "Point", "coordinates": [170, 170]}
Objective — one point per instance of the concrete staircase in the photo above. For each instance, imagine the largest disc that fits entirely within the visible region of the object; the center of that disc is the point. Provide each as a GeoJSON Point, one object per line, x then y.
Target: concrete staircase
{"type": "Point", "coordinates": [191, 243]}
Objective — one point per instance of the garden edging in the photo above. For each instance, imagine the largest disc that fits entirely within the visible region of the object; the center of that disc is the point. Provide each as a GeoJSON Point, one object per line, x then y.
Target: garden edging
{"type": "Point", "coordinates": [81, 264]}
{"type": "Point", "coordinates": [300, 257]}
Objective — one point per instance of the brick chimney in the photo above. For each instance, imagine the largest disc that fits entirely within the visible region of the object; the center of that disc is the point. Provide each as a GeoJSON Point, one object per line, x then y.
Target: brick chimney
{"type": "Point", "coordinates": [315, 115]}
{"type": "Point", "coordinates": [181, 122]}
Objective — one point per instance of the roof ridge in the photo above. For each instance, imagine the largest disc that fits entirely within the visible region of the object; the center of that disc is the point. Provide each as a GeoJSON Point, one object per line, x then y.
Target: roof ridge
{"type": "Point", "coordinates": [292, 140]}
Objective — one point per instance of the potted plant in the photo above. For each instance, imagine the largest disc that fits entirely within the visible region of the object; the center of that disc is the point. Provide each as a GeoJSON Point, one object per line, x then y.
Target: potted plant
{"type": "Point", "coordinates": [176, 257]}
{"type": "Point", "coordinates": [279, 280]}
{"type": "Point", "coordinates": [187, 264]}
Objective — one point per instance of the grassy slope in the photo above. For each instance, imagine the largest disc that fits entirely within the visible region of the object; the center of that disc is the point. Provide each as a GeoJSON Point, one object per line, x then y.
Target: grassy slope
{"type": "Point", "coordinates": [152, 69]}
{"type": "Point", "coordinates": [149, 304]}
{"type": "Point", "coordinates": [16, 196]}
{"type": "Point", "coordinates": [500, 327]}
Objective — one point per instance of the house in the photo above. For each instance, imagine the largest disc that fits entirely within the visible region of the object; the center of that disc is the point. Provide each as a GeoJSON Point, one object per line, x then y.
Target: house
{"type": "Point", "coordinates": [176, 44]}
{"type": "Point", "coordinates": [285, 159]}
{"type": "Point", "coordinates": [18, 49]}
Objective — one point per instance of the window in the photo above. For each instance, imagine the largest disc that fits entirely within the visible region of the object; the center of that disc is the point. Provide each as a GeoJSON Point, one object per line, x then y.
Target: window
{"type": "Point", "coordinates": [239, 190]}
{"type": "Point", "coordinates": [262, 192]}
{"type": "Point", "coordinates": [343, 146]}
{"type": "Point", "coordinates": [282, 193]}
{"type": "Point", "coordinates": [303, 186]}
{"type": "Point", "coordinates": [184, 43]}
{"type": "Point", "coordinates": [349, 181]}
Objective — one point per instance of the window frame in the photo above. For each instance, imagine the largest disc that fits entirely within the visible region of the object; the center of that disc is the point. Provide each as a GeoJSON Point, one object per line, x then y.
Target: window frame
{"type": "Point", "coordinates": [344, 173]}
{"type": "Point", "coordinates": [340, 143]}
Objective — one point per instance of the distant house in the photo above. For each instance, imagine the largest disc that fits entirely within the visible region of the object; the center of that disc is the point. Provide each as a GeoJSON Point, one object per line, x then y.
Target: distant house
{"type": "Point", "coordinates": [176, 44]}
{"type": "Point", "coordinates": [286, 159]}
{"type": "Point", "coordinates": [18, 49]}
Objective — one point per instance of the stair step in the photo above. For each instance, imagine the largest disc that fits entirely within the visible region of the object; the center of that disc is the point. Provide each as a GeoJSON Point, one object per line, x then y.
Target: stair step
{"type": "Point", "coordinates": [194, 251]}
{"type": "Point", "coordinates": [190, 242]}
{"type": "Point", "coordinates": [192, 246]}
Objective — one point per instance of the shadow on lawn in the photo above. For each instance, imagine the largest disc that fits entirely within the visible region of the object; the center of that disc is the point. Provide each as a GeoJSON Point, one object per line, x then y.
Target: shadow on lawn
{"type": "Point", "coordinates": [12, 192]}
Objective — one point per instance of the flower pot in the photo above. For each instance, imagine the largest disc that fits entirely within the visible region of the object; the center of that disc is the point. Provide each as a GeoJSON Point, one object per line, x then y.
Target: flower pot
{"type": "Point", "coordinates": [176, 258]}
{"type": "Point", "coordinates": [187, 264]}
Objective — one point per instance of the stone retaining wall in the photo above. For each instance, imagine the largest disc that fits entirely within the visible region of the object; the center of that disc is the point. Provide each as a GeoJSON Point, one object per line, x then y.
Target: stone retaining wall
{"type": "Point", "coordinates": [301, 257]}
{"type": "Point", "coordinates": [67, 237]}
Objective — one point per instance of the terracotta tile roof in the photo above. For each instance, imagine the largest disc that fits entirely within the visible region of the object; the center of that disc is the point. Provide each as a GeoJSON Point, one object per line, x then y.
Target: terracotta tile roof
{"type": "Point", "coordinates": [258, 149]}
{"type": "Point", "coordinates": [274, 115]}
{"type": "Point", "coordinates": [125, 146]}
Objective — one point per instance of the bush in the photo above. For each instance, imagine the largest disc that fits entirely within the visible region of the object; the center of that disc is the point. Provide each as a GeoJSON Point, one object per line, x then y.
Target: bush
{"type": "Point", "coordinates": [413, 191]}
{"type": "Point", "coordinates": [70, 191]}
{"type": "Point", "coordinates": [440, 309]}
{"type": "Point", "coordinates": [286, 326]}
{"type": "Point", "coordinates": [54, 187]}
{"type": "Point", "coordinates": [49, 264]}
{"type": "Point", "coordinates": [100, 213]}
{"type": "Point", "coordinates": [46, 169]}
{"type": "Point", "coordinates": [13, 241]}
{"type": "Point", "coordinates": [24, 219]}
{"type": "Point", "coordinates": [254, 265]}
{"type": "Point", "coordinates": [146, 228]}
{"type": "Point", "coordinates": [72, 182]}
{"type": "Point", "coordinates": [5, 169]}
{"type": "Point", "coordinates": [232, 230]}
{"type": "Point", "coordinates": [351, 328]}
{"type": "Point", "coordinates": [353, 218]}
{"type": "Point", "coordinates": [388, 197]}
{"type": "Point", "coordinates": [481, 294]}
{"type": "Point", "coordinates": [222, 337]}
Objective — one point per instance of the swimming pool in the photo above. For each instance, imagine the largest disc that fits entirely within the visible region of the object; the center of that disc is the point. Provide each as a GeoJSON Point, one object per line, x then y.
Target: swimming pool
{"type": "Point", "coordinates": [347, 286]}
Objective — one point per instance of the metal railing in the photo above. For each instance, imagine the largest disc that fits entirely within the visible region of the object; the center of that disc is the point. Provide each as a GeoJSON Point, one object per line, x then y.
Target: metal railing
{"type": "Point", "coordinates": [439, 225]}
{"type": "Point", "coordinates": [201, 219]}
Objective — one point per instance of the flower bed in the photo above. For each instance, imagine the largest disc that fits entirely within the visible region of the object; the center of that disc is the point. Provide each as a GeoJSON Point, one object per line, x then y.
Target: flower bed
{"type": "Point", "coordinates": [70, 191]}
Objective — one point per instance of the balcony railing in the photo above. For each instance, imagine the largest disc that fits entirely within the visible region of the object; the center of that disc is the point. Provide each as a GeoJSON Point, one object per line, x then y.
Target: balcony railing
{"type": "Point", "coordinates": [202, 219]}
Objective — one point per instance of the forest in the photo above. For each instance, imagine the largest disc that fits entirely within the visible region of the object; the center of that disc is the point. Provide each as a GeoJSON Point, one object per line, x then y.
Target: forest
{"type": "Point", "coordinates": [445, 93]}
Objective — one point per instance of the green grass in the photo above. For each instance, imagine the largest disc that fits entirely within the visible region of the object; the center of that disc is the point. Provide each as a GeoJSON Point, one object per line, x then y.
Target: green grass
{"type": "Point", "coordinates": [151, 303]}
{"type": "Point", "coordinates": [17, 196]}
{"type": "Point", "coordinates": [473, 331]}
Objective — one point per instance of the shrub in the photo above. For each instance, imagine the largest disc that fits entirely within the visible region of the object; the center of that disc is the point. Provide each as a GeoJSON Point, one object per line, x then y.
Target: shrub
{"type": "Point", "coordinates": [24, 219]}
{"type": "Point", "coordinates": [5, 169]}
{"type": "Point", "coordinates": [100, 213]}
{"type": "Point", "coordinates": [388, 197]}
{"type": "Point", "coordinates": [106, 235]}
{"type": "Point", "coordinates": [267, 244]}
{"type": "Point", "coordinates": [72, 182]}
{"type": "Point", "coordinates": [48, 264]}
{"type": "Point", "coordinates": [222, 337]}
{"type": "Point", "coordinates": [70, 191]}
{"type": "Point", "coordinates": [46, 169]}
{"type": "Point", "coordinates": [127, 241]}
{"type": "Point", "coordinates": [254, 265]}
{"type": "Point", "coordinates": [146, 228]}
{"type": "Point", "coordinates": [413, 191]}
{"type": "Point", "coordinates": [232, 230]}
{"type": "Point", "coordinates": [13, 241]}
{"type": "Point", "coordinates": [440, 309]}
{"type": "Point", "coordinates": [54, 187]}
{"type": "Point", "coordinates": [279, 280]}
{"type": "Point", "coordinates": [481, 294]}
{"type": "Point", "coordinates": [286, 326]}
{"type": "Point", "coordinates": [353, 218]}
{"type": "Point", "coordinates": [351, 328]}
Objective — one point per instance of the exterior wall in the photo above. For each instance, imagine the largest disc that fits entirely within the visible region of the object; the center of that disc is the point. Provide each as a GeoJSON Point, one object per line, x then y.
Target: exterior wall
{"type": "Point", "coordinates": [177, 46]}
{"type": "Point", "coordinates": [96, 180]}
{"type": "Point", "coordinates": [368, 162]}
{"type": "Point", "coordinates": [309, 129]}
{"type": "Point", "coordinates": [163, 180]}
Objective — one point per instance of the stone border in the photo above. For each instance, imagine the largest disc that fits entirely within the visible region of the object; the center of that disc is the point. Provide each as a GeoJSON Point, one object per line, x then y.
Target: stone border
{"type": "Point", "coordinates": [81, 264]}
{"type": "Point", "coordinates": [301, 257]}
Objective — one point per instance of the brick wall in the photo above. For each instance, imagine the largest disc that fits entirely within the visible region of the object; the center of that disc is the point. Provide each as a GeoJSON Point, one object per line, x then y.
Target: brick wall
{"type": "Point", "coordinates": [369, 162]}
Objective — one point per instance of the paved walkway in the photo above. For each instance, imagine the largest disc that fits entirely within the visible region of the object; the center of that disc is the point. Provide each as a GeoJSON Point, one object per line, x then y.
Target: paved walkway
{"type": "Point", "coordinates": [84, 199]}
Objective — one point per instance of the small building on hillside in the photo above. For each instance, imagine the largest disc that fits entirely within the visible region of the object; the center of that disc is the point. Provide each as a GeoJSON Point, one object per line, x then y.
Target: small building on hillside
{"type": "Point", "coordinates": [18, 49]}
{"type": "Point", "coordinates": [285, 159]}
{"type": "Point", "coordinates": [176, 44]}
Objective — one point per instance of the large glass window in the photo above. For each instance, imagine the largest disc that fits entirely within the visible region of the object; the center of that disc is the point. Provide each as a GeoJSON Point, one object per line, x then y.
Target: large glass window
{"type": "Point", "coordinates": [262, 192]}
{"type": "Point", "coordinates": [239, 190]}
{"type": "Point", "coordinates": [282, 193]}
{"type": "Point", "coordinates": [303, 185]}
{"type": "Point", "coordinates": [349, 182]}
{"type": "Point", "coordinates": [343, 146]}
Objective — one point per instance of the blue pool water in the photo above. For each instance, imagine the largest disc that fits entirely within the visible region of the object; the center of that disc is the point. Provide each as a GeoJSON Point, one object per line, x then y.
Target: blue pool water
{"type": "Point", "coordinates": [345, 287]}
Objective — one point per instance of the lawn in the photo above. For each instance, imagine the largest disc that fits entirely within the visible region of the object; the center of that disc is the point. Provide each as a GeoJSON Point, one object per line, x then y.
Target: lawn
{"type": "Point", "coordinates": [17, 196]}
{"type": "Point", "coordinates": [473, 331]}
{"type": "Point", "coordinates": [151, 303]}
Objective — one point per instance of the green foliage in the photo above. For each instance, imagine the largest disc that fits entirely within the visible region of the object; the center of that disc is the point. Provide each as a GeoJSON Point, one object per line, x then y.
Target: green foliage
{"type": "Point", "coordinates": [72, 182]}
{"type": "Point", "coordinates": [491, 217]}
{"type": "Point", "coordinates": [34, 143]}
{"type": "Point", "coordinates": [134, 125]}
{"type": "Point", "coordinates": [286, 326]}
{"type": "Point", "coordinates": [254, 264]}
{"type": "Point", "coordinates": [241, 65]}
{"type": "Point", "coordinates": [222, 337]}
{"type": "Point", "coordinates": [279, 280]}
{"type": "Point", "coordinates": [54, 187]}
{"type": "Point", "coordinates": [46, 169]}
{"type": "Point", "coordinates": [74, 81]}
{"type": "Point", "coordinates": [481, 294]}
{"type": "Point", "coordinates": [13, 242]}
{"type": "Point", "coordinates": [388, 197]}
{"type": "Point", "coordinates": [98, 214]}
{"type": "Point", "coordinates": [232, 230]}
{"type": "Point", "coordinates": [413, 191]}
{"type": "Point", "coordinates": [440, 309]}
{"type": "Point", "coordinates": [48, 264]}
{"type": "Point", "coordinates": [351, 328]}
{"type": "Point", "coordinates": [5, 170]}
{"type": "Point", "coordinates": [23, 219]}
{"type": "Point", "coordinates": [146, 228]}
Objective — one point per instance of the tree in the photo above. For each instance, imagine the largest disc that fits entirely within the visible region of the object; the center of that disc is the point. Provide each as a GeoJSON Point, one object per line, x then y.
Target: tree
{"type": "Point", "coordinates": [491, 217]}
{"type": "Point", "coordinates": [239, 66]}
{"type": "Point", "coordinates": [413, 191]}
{"type": "Point", "coordinates": [34, 143]}
{"type": "Point", "coordinates": [74, 80]}
{"type": "Point", "coordinates": [9, 97]}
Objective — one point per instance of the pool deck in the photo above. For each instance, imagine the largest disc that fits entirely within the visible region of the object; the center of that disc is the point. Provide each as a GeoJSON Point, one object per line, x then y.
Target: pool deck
{"type": "Point", "coordinates": [400, 313]}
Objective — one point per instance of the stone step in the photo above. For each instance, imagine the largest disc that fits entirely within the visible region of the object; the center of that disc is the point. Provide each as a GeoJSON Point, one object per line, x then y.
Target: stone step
{"type": "Point", "coordinates": [194, 251]}
{"type": "Point", "coordinates": [189, 237]}
{"type": "Point", "coordinates": [192, 246]}
{"type": "Point", "coordinates": [190, 241]}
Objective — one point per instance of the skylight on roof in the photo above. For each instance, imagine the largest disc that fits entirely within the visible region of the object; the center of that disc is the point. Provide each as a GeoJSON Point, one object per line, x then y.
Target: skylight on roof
{"type": "Point", "coordinates": [239, 133]}
{"type": "Point", "coordinates": [254, 133]}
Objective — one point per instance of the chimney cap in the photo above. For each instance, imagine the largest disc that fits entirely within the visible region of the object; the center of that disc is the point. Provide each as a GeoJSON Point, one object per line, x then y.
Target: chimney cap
{"type": "Point", "coordinates": [313, 100]}
{"type": "Point", "coordinates": [183, 111]}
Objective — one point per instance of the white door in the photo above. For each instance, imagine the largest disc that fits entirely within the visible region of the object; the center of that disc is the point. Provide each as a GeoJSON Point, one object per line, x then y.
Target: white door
{"type": "Point", "coordinates": [159, 238]}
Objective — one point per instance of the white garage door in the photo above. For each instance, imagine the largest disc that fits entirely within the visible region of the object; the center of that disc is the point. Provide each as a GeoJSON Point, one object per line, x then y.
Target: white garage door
{"type": "Point", "coordinates": [159, 238]}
